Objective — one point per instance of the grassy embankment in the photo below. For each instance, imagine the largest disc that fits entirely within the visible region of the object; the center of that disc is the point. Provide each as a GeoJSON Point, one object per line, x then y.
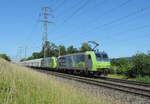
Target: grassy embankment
{"type": "Point", "coordinates": [19, 85]}
{"type": "Point", "coordinates": [138, 78]}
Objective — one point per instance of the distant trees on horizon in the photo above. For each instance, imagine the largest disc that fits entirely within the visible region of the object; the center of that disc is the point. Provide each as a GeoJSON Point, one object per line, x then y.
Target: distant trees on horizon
{"type": "Point", "coordinates": [51, 49]}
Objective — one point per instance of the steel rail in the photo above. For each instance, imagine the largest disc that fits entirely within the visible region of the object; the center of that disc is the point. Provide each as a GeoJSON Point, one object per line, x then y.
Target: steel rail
{"type": "Point", "coordinates": [126, 81]}
{"type": "Point", "coordinates": [119, 85]}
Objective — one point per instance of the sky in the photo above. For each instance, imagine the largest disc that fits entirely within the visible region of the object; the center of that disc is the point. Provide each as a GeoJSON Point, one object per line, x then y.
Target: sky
{"type": "Point", "coordinates": [121, 27]}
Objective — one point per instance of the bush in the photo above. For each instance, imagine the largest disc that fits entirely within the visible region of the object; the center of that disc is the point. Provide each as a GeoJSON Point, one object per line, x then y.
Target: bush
{"type": "Point", "coordinates": [123, 66]}
{"type": "Point", "coordinates": [141, 64]}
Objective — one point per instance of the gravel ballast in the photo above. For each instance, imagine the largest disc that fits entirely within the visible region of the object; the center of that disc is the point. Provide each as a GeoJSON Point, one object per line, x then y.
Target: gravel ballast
{"type": "Point", "coordinates": [122, 97]}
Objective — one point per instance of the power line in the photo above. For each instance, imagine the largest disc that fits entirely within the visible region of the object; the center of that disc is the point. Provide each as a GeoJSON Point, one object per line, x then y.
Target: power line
{"type": "Point", "coordinates": [80, 2]}
{"type": "Point", "coordinates": [135, 38]}
{"type": "Point", "coordinates": [119, 19]}
{"type": "Point", "coordinates": [124, 22]}
{"type": "Point", "coordinates": [112, 10]}
{"type": "Point", "coordinates": [97, 5]}
{"type": "Point", "coordinates": [33, 28]}
{"type": "Point", "coordinates": [122, 18]}
{"type": "Point", "coordinates": [51, 2]}
{"type": "Point", "coordinates": [62, 4]}
{"type": "Point", "coordinates": [134, 29]}
{"type": "Point", "coordinates": [59, 5]}
{"type": "Point", "coordinates": [77, 10]}
{"type": "Point", "coordinates": [130, 30]}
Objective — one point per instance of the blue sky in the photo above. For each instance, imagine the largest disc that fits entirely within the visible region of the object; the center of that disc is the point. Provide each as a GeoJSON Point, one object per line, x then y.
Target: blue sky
{"type": "Point", "coordinates": [121, 27]}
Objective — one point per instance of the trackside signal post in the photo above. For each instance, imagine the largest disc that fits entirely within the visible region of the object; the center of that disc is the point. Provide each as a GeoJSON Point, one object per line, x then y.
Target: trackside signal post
{"type": "Point", "coordinates": [45, 14]}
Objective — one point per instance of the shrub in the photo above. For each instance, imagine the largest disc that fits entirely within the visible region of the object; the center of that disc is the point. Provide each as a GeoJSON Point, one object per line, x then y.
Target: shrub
{"type": "Point", "coordinates": [123, 66]}
{"type": "Point", "coordinates": [141, 64]}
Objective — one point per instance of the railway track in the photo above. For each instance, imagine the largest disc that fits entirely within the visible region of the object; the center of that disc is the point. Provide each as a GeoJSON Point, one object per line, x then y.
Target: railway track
{"type": "Point", "coordinates": [127, 81]}
{"type": "Point", "coordinates": [132, 87]}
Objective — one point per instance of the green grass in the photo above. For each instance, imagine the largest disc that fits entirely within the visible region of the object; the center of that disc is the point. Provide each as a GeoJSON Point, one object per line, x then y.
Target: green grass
{"type": "Point", "coordinates": [138, 78]}
{"type": "Point", "coordinates": [116, 76]}
{"type": "Point", "coordinates": [143, 79]}
{"type": "Point", "coordinates": [19, 85]}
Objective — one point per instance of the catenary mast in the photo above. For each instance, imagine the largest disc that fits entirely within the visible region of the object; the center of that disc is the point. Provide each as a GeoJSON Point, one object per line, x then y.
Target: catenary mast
{"type": "Point", "coordinates": [45, 14]}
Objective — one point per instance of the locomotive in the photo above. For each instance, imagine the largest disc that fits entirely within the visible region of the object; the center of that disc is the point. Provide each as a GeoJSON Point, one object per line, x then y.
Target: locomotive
{"type": "Point", "coordinates": [89, 62]}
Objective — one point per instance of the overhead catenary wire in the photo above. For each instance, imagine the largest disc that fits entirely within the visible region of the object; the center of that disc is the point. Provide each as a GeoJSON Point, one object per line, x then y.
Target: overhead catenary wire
{"type": "Point", "coordinates": [124, 22]}
{"type": "Point", "coordinates": [80, 2]}
{"type": "Point", "coordinates": [129, 30]}
{"type": "Point", "coordinates": [107, 12]}
{"type": "Point", "coordinates": [51, 2]}
{"type": "Point", "coordinates": [76, 11]}
{"type": "Point", "coordinates": [95, 6]}
{"type": "Point", "coordinates": [145, 35]}
{"type": "Point", "coordinates": [121, 18]}
{"type": "Point", "coordinates": [110, 10]}
{"type": "Point", "coordinates": [117, 7]}
{"type": "Point", "coordinates": [84, 34]}
{"type": "Point", "coordinates": [59, 5]}
{"type": "Point", "coordinates": [33, 28]}
{"type": "Point", "coordinates": [138, 28]}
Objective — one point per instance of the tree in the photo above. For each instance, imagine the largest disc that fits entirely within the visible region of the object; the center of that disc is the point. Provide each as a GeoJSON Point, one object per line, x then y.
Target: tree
{"type": "Point", "coordinates": [50, 49]}
{"type": "Point", "coordinates": [141, 64]}
{"type": "Point", "coordinates": [85, 47]}
{"type": "Point", "coordinates": [62, 50]}
{"type": "Point", "coordinates": [71, 49]}
{"type": "Point", "coordinates": [138, 66]}
{"type": "Point", "coordinates": [124, 66]}
{"type": "Point", "coordinates": [36, 55]}
{"type": "Point", "coordinates": [4, 56]}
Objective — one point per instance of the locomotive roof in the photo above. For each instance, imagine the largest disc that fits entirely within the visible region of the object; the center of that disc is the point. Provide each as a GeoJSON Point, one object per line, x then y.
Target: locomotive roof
{"type": "Point", "coordinates": [80, 53]}
{"type": "Point", "coordinates": [84, 53]}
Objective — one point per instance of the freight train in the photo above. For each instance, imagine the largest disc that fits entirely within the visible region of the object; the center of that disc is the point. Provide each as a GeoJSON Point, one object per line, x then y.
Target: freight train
{"type": "Point", "coordinates": [89, 62]}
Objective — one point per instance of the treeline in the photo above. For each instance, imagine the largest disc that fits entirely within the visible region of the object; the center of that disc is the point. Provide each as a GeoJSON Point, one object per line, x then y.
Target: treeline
{"type": "Point", "coordinates": [51, 49]}
{"type": "Point", "coordinates": [138, 65]}
{"type": "Point", "coordinates": [4, 56]}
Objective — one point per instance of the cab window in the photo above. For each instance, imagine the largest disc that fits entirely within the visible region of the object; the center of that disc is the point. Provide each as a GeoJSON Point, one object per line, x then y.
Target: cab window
{"type": "Point", "coordinates": [101, 56]}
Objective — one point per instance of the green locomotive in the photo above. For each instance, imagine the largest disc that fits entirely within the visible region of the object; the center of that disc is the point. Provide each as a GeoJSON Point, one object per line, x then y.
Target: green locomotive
{"type": "Point", "coordinates": [88, 62]}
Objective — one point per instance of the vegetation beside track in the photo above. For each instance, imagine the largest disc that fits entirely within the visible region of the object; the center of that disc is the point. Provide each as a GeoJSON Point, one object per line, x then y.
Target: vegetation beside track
{"type": "Point", "coordinates": [136, 68]}
{"type": "Point", "coordinates": [19, 85]}
{"type": "Point", "coordinates": [137, 78]}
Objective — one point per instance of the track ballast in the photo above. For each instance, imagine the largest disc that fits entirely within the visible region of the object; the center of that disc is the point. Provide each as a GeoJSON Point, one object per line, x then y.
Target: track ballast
{"type": "Point", "coordinates": [132, 87]}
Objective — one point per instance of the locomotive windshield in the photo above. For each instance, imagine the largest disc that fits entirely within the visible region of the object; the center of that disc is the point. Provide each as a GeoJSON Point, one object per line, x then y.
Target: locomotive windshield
{"type": "Point", "coordinates": [101, 56]}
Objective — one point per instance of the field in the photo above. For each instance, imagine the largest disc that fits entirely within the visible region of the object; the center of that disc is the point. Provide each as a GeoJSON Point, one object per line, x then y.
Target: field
{"type": "Point", "coordinates": [19, 85]}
